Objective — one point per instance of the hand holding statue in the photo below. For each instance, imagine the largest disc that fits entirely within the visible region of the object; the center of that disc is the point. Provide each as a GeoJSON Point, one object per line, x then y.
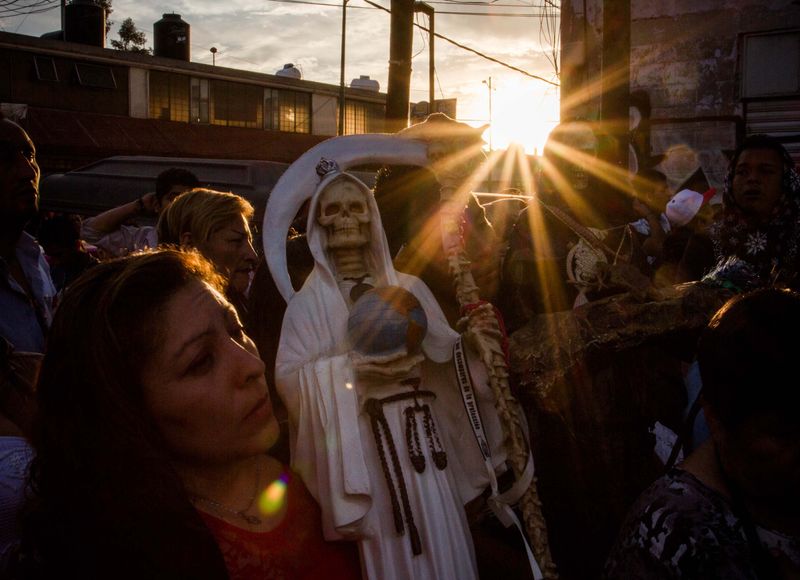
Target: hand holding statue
{"type": "Point", "coordinates": [481, 321]}
{"type": "Point", "coordinates": [378, 369]}
{"type": "Point", "coordinates": [386, 328]}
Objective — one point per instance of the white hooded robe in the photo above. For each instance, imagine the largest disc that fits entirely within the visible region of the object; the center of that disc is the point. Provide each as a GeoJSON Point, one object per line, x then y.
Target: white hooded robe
{"type": "Point", "coordinates": [332, 444]}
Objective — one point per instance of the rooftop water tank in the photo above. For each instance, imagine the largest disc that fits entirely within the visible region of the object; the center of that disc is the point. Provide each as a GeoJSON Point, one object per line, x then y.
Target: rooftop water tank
{"type": "Point", "coordinates": [291, 71]}
{"type": "Point", "coordinates": [171, 37]}
{"type": "Point", "coordinates": [365, 83]}
{"type": "Point", "coordinates": [85, 23]}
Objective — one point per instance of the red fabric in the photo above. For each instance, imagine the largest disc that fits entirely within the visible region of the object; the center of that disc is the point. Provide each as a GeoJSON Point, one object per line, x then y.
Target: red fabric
{"type": "Point", "coordinates": [295, 549]}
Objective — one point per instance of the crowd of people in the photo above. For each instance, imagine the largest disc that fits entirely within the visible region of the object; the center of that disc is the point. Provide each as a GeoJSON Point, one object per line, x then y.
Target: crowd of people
{"type": "Point", "coordinates": [144, 434]}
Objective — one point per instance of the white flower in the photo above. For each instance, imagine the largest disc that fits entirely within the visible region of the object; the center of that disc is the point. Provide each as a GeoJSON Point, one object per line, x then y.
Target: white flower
{"type": "Point", "coordinates": [756, 242]}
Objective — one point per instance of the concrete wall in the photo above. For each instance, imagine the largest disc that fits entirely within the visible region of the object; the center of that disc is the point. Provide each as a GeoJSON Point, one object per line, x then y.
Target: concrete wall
{"type": "Point", "coordinates": [686, 55]}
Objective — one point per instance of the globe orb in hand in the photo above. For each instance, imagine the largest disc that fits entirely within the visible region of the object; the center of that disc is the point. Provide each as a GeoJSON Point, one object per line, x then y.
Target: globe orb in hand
{"type": "Point", "coordinates": [385, 321]}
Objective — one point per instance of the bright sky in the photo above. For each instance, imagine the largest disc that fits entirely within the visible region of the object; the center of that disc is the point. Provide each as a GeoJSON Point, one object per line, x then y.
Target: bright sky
{"type": "Point", "coordinates": [262, 35]}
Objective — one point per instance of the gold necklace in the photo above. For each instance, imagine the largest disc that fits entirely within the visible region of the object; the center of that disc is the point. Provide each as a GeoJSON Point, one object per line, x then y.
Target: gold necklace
{"type": "Point", "coordinates": [242, 513]}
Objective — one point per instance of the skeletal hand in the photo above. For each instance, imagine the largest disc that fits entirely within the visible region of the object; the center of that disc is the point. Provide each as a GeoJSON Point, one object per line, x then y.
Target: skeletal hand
{"type": "Point", "coordinates": [480, 322]}
{"type": "Point", "coordinates": [386, 368]}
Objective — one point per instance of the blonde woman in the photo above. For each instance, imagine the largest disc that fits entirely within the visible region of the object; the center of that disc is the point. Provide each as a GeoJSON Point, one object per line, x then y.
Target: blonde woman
{"type": "Point", "coordinates": [216, 223]}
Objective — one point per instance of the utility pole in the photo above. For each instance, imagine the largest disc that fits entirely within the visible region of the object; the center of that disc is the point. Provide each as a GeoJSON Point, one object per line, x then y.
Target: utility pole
{"type": "Point", "coordinates": [489, 84]}
{"type": "Point", "coordinates": [341, 71]}
{"type": "Point", "coordinates": [428, 10]}
{"type": "Point", "coordinates": [616, 73]}
{"type": "Point", "coordinates": [400, 45]}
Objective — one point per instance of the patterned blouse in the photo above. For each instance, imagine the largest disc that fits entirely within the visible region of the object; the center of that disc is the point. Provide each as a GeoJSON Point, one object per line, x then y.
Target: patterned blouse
{"type": "Point", "coordinates": [680, 528]}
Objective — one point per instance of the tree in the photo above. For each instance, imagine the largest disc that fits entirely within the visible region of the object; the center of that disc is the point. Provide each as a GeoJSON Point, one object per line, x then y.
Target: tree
{"type": "Point", "coordinates": [106, 4]}
{"type": "Point", "coordinates": [130, 38]}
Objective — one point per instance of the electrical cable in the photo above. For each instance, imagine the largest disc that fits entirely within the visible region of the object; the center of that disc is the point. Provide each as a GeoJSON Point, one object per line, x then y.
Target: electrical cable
{"type": "Point", "coordinates": [482, 4]}
{"type": "Point", "coordinates": [472, 50]}
{"type": "Point", "coordinates": [421, 35]}
{"type": "Point", "coordinates": [17, 11]}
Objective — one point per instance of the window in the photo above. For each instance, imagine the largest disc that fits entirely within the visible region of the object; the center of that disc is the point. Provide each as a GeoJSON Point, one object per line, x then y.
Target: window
{"type": "Point", "coordinates": [760, 75]}
{"type": "Point", "coordinates": [360, 117]}
{"type": "Point", "coordinates": [169, 96]}
{"type": "Point", "coordinates": [199, 100]}
{"type": "Point", "coordinates": [99, 77]}
{"type": "Point", "coordinates": [288, 111]}
{"type": "Point", "coordinates": [236, 104]}
{"type": "Point", "coordinates": [45, 68]}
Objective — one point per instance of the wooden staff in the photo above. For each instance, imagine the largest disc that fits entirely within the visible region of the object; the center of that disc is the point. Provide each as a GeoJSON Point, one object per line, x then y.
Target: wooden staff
{"type": "Point", "coordinates": [447, 140]}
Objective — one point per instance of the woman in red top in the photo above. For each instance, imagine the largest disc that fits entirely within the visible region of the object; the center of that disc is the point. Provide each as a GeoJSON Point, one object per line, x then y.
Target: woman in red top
{"type": "Point", "coordinates": [151, 444]}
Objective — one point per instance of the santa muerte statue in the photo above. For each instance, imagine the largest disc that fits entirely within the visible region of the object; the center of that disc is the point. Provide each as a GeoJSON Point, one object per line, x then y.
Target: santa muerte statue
{"type": "Point", "coordinates": [396, 420]}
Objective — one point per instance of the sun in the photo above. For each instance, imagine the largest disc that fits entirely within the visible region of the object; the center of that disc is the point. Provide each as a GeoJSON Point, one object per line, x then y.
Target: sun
{"type": "Point", "coordinates": [524, 111]}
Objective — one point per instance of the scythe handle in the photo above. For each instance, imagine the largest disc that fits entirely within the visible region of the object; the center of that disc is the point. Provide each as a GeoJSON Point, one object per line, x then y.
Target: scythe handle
{"type": "Point", "coordinates": [493, 357]}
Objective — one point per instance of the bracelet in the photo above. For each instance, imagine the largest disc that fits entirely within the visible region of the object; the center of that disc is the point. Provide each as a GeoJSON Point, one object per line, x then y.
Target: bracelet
{"type": "Point", "coordinates": [140, 204]}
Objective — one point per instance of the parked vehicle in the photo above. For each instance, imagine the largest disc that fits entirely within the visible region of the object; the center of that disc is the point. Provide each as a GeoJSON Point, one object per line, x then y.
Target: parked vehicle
{"type": "Point", "coordinates": [114, 181]}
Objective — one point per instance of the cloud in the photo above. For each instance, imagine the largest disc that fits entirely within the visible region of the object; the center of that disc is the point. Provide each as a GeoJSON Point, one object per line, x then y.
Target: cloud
{"type": "Point", "coordinates": [263, 35]}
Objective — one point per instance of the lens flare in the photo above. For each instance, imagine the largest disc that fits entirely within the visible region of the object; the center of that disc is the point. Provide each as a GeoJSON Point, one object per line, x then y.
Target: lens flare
{"type": "Point", "coordinates": [272, 500]}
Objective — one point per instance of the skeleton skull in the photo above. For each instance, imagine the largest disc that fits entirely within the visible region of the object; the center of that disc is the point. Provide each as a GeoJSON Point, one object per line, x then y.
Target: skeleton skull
{"type": "Point", "coordinates": [345, 215]}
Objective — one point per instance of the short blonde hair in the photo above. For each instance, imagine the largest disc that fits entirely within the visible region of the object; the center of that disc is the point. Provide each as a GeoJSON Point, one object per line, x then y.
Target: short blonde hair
{"type": "Point", "coordinates": [200, 212]}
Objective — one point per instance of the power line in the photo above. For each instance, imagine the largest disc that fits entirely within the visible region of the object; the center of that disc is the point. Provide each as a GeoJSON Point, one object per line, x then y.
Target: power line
{"type": "Point", "coordinates": [472, 50]}
{"type": "Point", "coordinates": [481, 3]}
{"type": "Point", "coordinates": [26, 6]}
{"type": "Point", "coordinates": [29, 8]}
{"type": "Point", "coordinates": [457, 13]}
{"type": "Point", "coordinates": [10, 13]}
{"type": "Point", "coordinates": [422, 37]}
{"type": "Point", "coordinates": [437, 35]}
{"type": "Point", "coordinates": [33, 8]}
{"type": "Point", "coordinates": [494, 14]}
{"type": "Point", "coordinates": [320, 4]}
{"type": "Point", "coordinates": [489, 3]}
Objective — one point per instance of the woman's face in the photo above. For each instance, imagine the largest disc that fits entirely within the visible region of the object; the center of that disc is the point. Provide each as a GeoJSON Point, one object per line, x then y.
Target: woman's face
{"type": "Point", "coordinates": [757, 182]}
{"type": "Point", "coordinates": [205, 386]}
{"type": "Point", "coordinates": [230, 249]}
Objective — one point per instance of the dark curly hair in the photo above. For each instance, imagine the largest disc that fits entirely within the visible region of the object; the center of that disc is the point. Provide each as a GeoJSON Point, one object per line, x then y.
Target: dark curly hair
{"type": "Point", "coordinates": [173, 176]}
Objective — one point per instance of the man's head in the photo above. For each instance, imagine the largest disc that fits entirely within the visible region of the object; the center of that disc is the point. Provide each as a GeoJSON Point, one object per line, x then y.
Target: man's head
{"type": "Point", "coordinates": [19, 175]}
{"type": "Point", "coordinates": [173, 182]}
{"type": "Point", "coordinates": [758, 176]}
{"type": "Point", "coordinates": [747, 359]}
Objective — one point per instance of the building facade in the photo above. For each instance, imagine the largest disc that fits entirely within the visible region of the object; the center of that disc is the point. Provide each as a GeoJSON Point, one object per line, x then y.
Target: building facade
{"type": "Point", "coordinates": [702, 74]}
{"type": "Point", "coordinates": [81, 103]}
